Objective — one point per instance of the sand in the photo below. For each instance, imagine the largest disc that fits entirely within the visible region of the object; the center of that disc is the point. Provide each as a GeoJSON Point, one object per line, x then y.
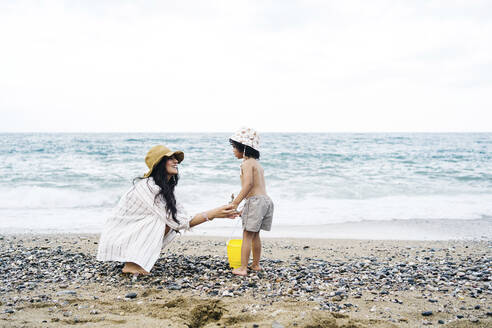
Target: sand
{"type": "Point", "coordinates": [343, 296]}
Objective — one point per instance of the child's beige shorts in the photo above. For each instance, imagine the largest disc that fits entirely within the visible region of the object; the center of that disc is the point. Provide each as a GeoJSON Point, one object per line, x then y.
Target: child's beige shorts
{"type": "Point", "coordinates": [257, 213]}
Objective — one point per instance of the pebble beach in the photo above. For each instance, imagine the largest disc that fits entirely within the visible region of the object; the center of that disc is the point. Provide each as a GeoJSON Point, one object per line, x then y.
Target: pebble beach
{"type": "Point", "coordinates": [55, 280]}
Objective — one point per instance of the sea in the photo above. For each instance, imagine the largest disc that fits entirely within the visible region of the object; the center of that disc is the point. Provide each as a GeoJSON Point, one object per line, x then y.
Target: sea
{"type": "Point", "coordinates": [414, 186]}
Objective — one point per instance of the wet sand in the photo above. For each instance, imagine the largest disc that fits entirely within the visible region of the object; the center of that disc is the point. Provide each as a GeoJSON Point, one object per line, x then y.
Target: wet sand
{"type": "Point", "coordinates": [54, 280]}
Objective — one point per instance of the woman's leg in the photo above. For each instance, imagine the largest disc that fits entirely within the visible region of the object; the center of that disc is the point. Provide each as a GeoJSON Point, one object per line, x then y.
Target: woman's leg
{"type": "Point", "coordinates": [133, 268]}
{"type": "Point", "coordinates": [256, 252]}
{"type": "Point", "coordinates": [245, 251]}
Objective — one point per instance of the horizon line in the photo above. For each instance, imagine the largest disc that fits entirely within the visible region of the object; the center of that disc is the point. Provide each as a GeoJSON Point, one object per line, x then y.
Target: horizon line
{"type": "Point", "coordinates": [271, 132]}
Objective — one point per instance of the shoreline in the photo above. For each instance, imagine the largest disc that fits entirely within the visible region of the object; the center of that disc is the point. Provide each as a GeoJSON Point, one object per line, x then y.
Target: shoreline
{"type": "Point", "coordinates": [403, 230]}
{"type": "Point", "coordinates": [53, 279]}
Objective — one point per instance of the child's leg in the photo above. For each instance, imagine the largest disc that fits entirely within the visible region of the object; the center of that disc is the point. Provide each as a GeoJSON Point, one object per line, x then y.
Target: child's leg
{"type": "Point", "coordinates": [256, 252]}
{"type": "Point", "coordinates": [245, 251]}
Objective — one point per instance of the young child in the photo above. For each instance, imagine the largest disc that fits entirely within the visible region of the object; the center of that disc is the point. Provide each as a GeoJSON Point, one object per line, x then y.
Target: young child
{"type": "Point", "coordinates": [257, 212]}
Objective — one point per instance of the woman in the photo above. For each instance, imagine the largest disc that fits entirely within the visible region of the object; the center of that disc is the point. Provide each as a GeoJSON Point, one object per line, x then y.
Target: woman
{"type": "Point", "coordinates": [148, 216]}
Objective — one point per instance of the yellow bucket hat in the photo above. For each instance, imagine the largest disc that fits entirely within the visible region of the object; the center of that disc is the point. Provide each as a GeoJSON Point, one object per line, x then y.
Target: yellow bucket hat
{"type": "Point", "coordinates": [156, 153]}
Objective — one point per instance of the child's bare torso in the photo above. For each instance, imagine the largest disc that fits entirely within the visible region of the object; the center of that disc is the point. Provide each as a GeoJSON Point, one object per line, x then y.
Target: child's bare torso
{"type": "Point", "coordinates": [259, 187]}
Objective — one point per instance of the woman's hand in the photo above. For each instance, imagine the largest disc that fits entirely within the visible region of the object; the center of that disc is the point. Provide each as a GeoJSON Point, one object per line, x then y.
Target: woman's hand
{"type": "Point", "coordinates": [226, 211]}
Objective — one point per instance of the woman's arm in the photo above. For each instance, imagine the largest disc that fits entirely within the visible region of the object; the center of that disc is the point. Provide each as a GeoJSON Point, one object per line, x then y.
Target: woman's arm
{"type": "Point", "coordinates": [226, 211]}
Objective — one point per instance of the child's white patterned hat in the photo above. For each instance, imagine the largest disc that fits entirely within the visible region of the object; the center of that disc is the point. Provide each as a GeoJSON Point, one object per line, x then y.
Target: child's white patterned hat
{"type": "Point", "coordinates": [247, 137]}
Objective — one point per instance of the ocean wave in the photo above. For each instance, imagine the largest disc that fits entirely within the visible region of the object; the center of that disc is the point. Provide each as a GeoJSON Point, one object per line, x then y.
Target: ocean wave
{"type": "Point", "coordinates": [318, 178]}
{"type": "Point", "coordinates": [22, 198]}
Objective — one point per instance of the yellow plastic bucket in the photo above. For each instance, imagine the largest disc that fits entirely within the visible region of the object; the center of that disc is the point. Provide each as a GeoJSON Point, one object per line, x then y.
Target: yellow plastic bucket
{"type": "Point", "coordinates": [234, 252]}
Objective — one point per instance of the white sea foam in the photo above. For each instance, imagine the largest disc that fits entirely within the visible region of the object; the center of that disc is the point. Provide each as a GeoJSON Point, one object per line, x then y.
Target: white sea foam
{"type": "Point", "coordinates": [25, 197]}
{"type": "Point", "coordinates": [318, 211]}
{"type": "Point", "coordinates": [51, 209]}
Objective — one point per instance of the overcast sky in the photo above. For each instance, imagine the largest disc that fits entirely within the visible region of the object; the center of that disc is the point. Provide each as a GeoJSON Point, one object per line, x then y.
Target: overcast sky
{"type": "Point", "coordinates": [163, 66]}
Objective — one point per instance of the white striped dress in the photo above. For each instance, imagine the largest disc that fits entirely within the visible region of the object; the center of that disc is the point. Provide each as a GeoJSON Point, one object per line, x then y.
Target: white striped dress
{"type": "Point", "coordinates": [135, 230]}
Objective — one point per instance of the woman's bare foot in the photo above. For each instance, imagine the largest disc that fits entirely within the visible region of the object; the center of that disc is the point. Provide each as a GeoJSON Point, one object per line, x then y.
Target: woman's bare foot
{"type": "Point", "coordinates": [256, 267]}
{"type": "Point", "coordinates": [240, 271]}
{"type": "Point", "coordinates": [133, 268]}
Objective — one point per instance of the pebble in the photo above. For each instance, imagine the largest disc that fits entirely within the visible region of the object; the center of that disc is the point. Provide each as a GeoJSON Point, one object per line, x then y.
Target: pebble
{"type": "Point", "coordinates": [427, 313]}
{"type": "Point", "coordinates": [66, 292]}
{"type": "Point", "coordinates": [276, 324]}
{"type": "Point", "coordinates": [174, 287]}
{"type": "Point", "coordinates": [337, 298]}
{"type": "Point", "coordinates": [434, 274]}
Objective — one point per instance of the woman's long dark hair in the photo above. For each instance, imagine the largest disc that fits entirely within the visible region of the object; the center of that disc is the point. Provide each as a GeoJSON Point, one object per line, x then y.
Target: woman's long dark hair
{"type": "Point", "coordinates": [160, 176]}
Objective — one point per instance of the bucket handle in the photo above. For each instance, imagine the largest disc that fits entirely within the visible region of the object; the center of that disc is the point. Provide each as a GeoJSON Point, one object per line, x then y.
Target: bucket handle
{"type": "Point", "coordinates": [231, 235]}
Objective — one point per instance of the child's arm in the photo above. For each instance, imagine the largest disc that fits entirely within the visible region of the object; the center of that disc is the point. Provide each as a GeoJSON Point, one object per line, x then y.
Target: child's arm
{"type": "Point", "coordinates": [246, 183]}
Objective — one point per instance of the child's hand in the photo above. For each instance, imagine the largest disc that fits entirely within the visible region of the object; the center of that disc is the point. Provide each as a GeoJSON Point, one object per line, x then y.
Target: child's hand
{"type": "Point", "coordinates": [238, 212]}
{"type": "Point", "coordinates": [235, 214]}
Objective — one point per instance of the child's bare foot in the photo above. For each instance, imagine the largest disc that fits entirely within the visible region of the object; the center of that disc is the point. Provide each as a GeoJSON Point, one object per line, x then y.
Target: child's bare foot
{"type": "Point", "coordinates": [240, 271]}
{"type": "Point", "coordinates": [256, 267]}
{"type": "Point", "coordinates": [133, 268]}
